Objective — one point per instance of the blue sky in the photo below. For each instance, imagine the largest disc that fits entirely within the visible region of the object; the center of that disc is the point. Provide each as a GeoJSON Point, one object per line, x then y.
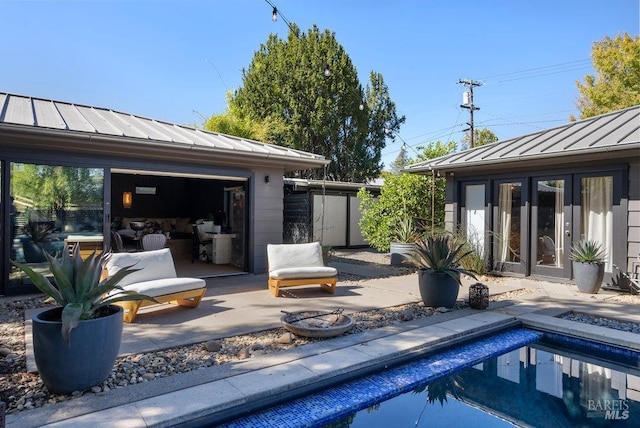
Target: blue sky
{"type": "Point", "coordinates": [175, 60]}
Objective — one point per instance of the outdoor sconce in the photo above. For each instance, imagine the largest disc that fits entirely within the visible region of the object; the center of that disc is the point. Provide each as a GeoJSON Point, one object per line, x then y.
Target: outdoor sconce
{"type": "Point", "coordinates": [127, 199]}
{"type": "Point", "coordinates": [266, 178]}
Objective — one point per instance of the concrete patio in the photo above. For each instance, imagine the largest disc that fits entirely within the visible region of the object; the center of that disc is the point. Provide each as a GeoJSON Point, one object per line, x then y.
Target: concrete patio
{"type": "Point", "coordinates": [236, 305]}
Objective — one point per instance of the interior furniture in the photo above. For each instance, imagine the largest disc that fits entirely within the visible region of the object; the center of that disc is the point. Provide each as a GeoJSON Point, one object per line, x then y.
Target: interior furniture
{"type": "Point", "coordinates": [547, 250]}
{"type": "Point", "coordinates": [299, 264]}
{"type": "Point", "coordinates": [88, 243]}
{"type": "Point", "coordinates": [153, 241]}
{"type": "Point", "coordinates": [201, 247]}
{"type": "Point", "coordinates": [117, 246]}
{"type": "Point", "coordinates": [157, 278]}
{"type": "Point", "coordinates": [220, 249]}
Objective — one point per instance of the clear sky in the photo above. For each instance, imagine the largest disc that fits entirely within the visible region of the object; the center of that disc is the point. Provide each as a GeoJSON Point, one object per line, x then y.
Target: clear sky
{"type": "Point", "coordinates": [174, 60]}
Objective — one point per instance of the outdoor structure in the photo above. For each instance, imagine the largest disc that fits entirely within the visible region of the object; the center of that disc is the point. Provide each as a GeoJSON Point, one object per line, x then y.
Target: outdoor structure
{"type": "Point", "coordinates": [70, 174]}
{"type": "Point", "coordinates": [524, 201]}
{"type": "Point", "coordinates": [324, 211]}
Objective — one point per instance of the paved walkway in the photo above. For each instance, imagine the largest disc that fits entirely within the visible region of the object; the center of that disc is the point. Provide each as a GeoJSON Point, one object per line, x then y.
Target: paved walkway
{"type": "Point", "coordinates": [242, 304]}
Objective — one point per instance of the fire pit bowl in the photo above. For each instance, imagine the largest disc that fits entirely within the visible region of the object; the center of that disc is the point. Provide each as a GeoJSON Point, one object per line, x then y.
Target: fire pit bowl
{"type": "Point", "coordinates": [317, 323]}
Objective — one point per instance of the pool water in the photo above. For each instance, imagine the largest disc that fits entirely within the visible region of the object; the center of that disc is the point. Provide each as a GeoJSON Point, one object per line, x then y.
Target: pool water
{"type": "Point", "coordinates": [518, 377]}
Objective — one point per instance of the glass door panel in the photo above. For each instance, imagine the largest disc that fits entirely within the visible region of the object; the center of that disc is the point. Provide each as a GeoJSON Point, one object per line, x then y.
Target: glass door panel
{"type": "Point", "coordinates": [53, 206]}
{"type": "Point", "coordinates": [596, 213]}
{"type": "Point", "coordinates": [551, 221]}
{"type": "Point", "coordinates": [509, 219]}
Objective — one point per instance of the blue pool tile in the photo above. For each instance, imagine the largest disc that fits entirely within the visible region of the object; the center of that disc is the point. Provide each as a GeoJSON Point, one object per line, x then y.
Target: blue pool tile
{"type": "Point", "coordinates": [336, 402]}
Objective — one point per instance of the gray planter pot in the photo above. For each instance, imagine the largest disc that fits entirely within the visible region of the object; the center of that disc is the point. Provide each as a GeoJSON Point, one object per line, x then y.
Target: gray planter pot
{"type": "Point", "coordinates": [437, 289]}
{"type": "Point", "coordinates": [588, 276]}
{"type": "Point", "coordinates": [399, 251]}
{"type": "Point", "coordinates": [89, 358]}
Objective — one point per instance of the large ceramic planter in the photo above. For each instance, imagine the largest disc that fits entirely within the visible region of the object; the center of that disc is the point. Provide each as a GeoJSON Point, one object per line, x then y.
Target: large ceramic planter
{"type": "Point", "coordinates": [89, 358]}
{"type": "Point", "coordinates": [437, 288]}
{"type": "Point", "coordinates": [33, 252]}
{"type": "Point", "coordinates": [588, 276]}
{"type": "Point", "coordinates": [399, 252]}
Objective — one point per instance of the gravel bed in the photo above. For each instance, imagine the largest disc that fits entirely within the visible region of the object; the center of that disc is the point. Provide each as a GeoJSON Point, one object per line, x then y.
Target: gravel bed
{"type": "Point", "coordinates": [631, 327]}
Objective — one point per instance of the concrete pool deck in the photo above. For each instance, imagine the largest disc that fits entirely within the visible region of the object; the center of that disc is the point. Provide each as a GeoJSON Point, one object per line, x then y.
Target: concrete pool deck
{"type": "Point", "coordinates": [242, 304]}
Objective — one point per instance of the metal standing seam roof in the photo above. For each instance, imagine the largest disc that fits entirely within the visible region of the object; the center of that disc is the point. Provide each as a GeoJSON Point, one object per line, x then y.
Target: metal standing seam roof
{"type": "Point", "coordinates": [619, 130]}
{"type": "Point", "coordinates": [56, 117]}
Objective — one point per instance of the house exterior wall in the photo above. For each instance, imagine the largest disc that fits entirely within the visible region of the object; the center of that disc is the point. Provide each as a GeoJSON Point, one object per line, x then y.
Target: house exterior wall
{"type": "Point", "coordinates": [633, 220]}
{"type": "Point", "coordinates": [267, 215]}
{"type": "Point", "coordinates": [450, 208]}
{"type": "Point", "coordinates": [626, 209]}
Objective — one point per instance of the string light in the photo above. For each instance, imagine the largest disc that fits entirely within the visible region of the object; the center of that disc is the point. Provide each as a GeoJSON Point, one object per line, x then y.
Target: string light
{"type": "Point", "coordinates": [274, 15]}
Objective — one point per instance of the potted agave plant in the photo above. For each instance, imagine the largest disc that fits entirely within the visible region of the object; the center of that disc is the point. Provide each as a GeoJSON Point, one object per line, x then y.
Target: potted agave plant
{"type": "Point", "coordinates": [403, 240]}
{"type": "Point", "coordinates": [76, 344]}
{"type": "Point", "coordinates": [438, 259]}
{"type": "Point", "coordinates": [588, 265]}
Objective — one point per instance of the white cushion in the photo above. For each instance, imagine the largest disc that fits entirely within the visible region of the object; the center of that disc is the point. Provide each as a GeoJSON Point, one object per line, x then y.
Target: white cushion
{"type": "Point", "coordinates": [160, 287]}
{"type": "Point", "coordinates": [286, 256]}
{"type": "Point", "coordinates": [303, 272]}
{"type": "Point", "coordinates": [159, 262]}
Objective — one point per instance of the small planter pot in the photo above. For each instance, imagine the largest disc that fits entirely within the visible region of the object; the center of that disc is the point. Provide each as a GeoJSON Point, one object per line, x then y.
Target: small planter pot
{"type": "Point", "coordinates": [399, 251]}
{"type": "Point", "coordinates": [89, 358]}
{"type": "Point", "coordinates": [437, 289]}
{"type": "Point", "coordinates": [588, 276]}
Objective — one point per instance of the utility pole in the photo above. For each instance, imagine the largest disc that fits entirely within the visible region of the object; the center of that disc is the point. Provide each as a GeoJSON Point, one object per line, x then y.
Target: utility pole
{"type": "Point", "coordinates": [467, 102]}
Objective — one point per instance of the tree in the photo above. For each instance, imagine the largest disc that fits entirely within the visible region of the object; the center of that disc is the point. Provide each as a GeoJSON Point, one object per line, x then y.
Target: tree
{"type": "Point", "coordinates": [306, 92]}
{"type": "Point", "coordinates": [481, 137]}
{"type": "Point", "coordinates": [53, 189]}
{"type": "Point", "coordinates": [232, 123]}
{"type": "Point", "coordinates": [616, 84]}
{"type": "Point", "coordinates": [419, 197]}
{"type": "Point", "coordinates": [400, 162]}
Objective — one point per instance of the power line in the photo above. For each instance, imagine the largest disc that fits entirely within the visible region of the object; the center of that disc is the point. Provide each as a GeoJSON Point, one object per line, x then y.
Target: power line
{"type": "Point", "coordinates": [571, 64]}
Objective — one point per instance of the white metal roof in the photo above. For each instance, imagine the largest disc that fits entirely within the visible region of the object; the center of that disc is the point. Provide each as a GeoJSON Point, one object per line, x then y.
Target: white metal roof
{"type": "Point", "coordinates": [47, 118]}
{"type": "Point", "coordinates": [601, 136]}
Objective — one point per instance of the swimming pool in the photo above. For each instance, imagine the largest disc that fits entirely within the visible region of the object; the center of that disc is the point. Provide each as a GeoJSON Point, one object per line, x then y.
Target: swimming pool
{"type": "Point", "coordinates": [517, 376]}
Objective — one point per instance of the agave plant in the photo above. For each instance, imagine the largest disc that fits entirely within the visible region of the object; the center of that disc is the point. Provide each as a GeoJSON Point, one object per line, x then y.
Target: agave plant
{"type": "Point", "coordinates": [79, 289]}
{"type": "Point", "coordinates": [441, 254]}
{"type": "Point", "coordinates": [37, 231]}
{"type": "Point", "coordinates": [586, 251]}
{"type": "Point", "coordinates": [404, 231]}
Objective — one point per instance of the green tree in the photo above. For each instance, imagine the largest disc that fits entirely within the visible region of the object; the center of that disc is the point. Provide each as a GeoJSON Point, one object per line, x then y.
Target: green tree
{"type": "Point", "coordinates": [481, 137]}
{"type": "Point", "coordinates": [419, 197]}
{"type": "Point", "coordinates": [400, 161]}
{"type": "Point", "coordinates": [231, 122]}
{"type": "Point", "coordinates": [616, 84]}
{"type": "Point", "coordinates": [306, 92]}
{"type": "Point", "coordinates": [53, 189]}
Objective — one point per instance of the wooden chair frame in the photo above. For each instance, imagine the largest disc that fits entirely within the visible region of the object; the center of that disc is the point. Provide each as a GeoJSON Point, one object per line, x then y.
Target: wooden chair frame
{"type": "Point", "coordinates": [328, 284]}
{"type": "Point", "coordinates": [189, 298]}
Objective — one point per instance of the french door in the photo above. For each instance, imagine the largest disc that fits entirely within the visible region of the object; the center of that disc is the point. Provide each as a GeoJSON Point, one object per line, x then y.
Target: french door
{"type": "Point", "coordinates": [551, 226]}
{"type": "Point", "coordinates": [565, 209]}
